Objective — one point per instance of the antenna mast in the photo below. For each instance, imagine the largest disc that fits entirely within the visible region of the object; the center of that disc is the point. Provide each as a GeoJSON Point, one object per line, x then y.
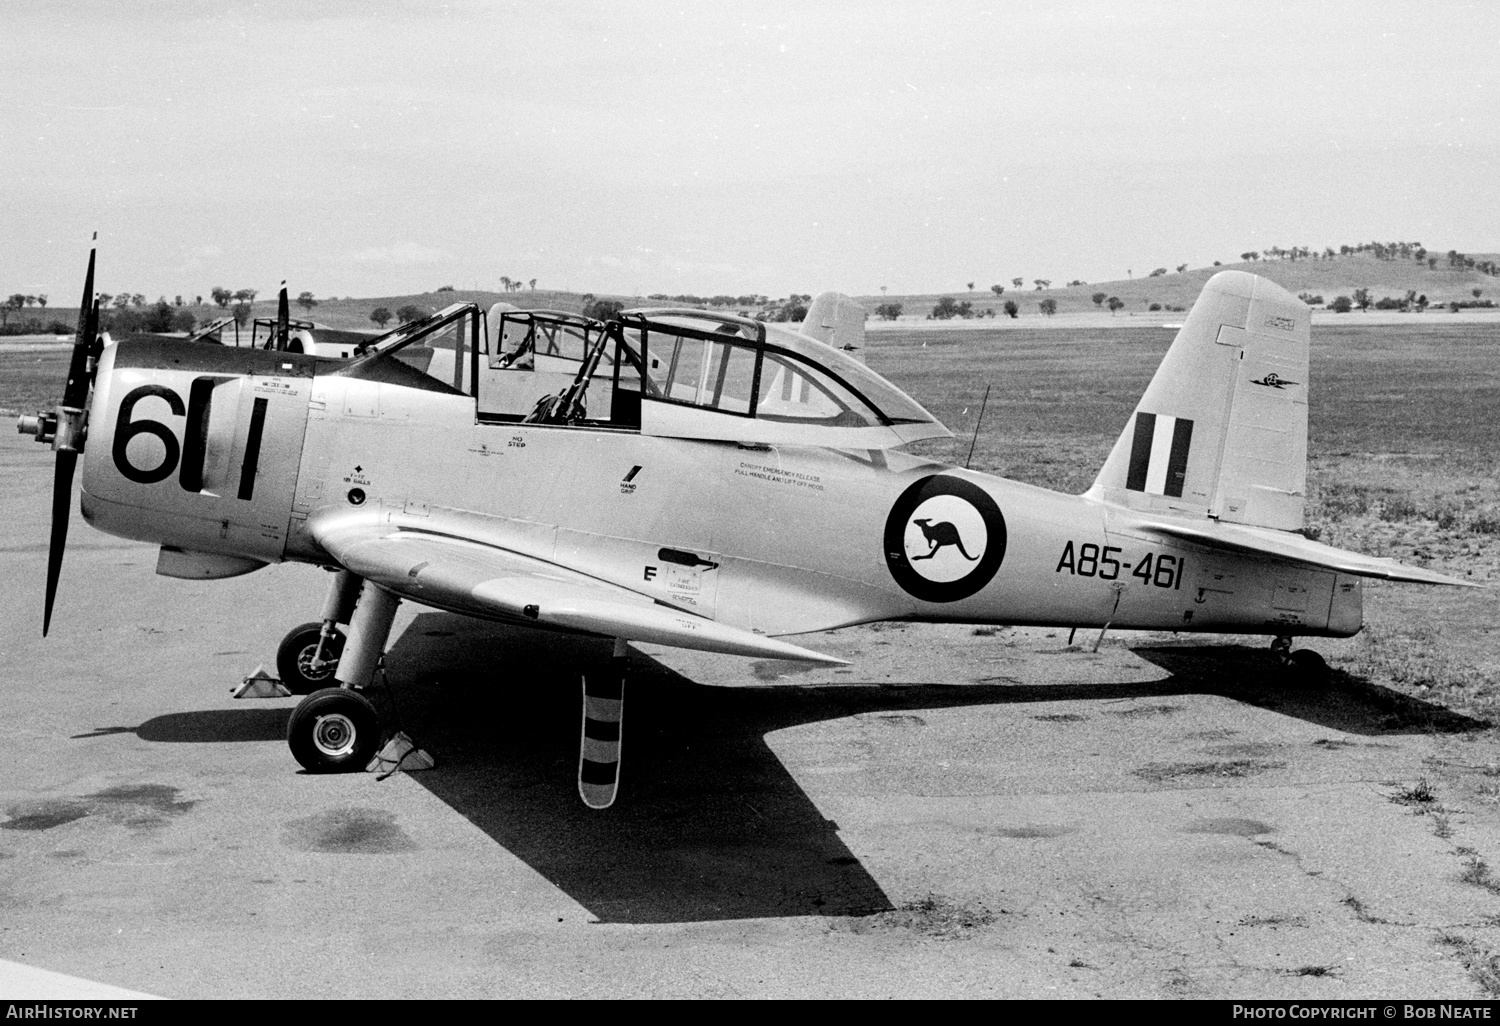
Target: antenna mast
{"type": "Point", "coordinates": [977, 421]}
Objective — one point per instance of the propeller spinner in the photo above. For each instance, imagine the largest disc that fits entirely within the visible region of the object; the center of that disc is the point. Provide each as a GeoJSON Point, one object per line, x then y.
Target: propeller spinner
{"type": "Point", "coordinates": [66, 427]}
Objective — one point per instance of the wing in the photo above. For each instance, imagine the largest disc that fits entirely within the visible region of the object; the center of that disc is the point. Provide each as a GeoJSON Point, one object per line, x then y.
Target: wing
{"type": "Point", "coordinates": [1281, 545]}
{"type": "Point", "coordinates": [466, 576]}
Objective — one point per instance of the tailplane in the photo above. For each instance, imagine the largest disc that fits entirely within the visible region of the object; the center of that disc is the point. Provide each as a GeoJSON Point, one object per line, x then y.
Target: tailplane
{"type": "Point", "coordinates": [1222, 429]}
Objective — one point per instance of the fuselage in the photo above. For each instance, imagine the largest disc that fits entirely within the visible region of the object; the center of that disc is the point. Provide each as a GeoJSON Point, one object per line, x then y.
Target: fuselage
{"type": "Point", "coordinates": [238, 452]}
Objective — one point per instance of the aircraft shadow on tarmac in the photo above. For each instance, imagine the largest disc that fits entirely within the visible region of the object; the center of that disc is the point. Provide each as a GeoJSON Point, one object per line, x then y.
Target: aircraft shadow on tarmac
{"type": "Point", "coordinates": [709, 825]}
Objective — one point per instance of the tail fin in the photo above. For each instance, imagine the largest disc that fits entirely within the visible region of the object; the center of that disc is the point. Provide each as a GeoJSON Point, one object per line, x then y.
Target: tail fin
{"type": "Point", "coordinates": [838, 321]}
{"type": "Point", "coordinates": [492, 328]}
{"type": "Point", "coordinates": [1222, 428]}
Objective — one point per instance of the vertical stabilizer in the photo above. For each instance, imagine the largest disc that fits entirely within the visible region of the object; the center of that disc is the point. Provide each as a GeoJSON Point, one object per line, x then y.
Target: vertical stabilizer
{"type": "Point", "coordinates": [837, 321]}
{"type": "Point", "coordinates": [1222, 428]}
{"type": "Point", "coordinates": [492, 328]}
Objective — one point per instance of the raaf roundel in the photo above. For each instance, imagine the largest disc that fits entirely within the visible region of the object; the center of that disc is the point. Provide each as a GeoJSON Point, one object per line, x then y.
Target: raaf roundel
{"type": "Point", "coordinates": [944, 539]}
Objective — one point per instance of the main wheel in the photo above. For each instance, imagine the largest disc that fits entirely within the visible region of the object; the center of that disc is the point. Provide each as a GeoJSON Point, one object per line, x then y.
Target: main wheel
{"type": "Point", "coordinates": [334, 731]}
{"type": "Point", "coordinates": [295, 656]}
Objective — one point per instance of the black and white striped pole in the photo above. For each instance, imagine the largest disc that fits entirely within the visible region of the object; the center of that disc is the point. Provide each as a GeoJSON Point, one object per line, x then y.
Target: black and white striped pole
{"type": "Point", "coordinates": [603, 717]}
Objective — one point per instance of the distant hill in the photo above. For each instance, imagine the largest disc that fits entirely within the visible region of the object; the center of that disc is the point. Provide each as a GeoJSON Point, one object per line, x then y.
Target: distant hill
{"type": "Point", "coordinates": [354, 314]}
{"type": "Point", "coordinates": [351, 314]}
{"type": "Point", "coordinates": [1327, 278]}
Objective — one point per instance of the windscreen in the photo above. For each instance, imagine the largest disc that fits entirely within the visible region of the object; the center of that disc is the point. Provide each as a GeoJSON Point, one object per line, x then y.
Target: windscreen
{"type": "Point", "coordinates": [439, 347]}
{"type": "Point", "coordinates": [793, 390]}
{"type": "Point", "coordinates": [530, 342]}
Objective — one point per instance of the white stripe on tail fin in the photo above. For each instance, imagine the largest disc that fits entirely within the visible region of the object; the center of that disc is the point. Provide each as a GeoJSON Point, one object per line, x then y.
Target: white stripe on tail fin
{"type": "Point", "coordinates": [1222, 428]}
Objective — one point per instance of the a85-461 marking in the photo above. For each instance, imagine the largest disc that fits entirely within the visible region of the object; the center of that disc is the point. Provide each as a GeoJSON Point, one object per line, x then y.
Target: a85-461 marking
{"type": "Point", "coordinates": [1086, 559]}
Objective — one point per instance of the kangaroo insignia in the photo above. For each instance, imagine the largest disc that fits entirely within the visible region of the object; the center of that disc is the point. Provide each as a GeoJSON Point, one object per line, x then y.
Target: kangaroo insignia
{"type": "Point", "coordinates": [944, 539]}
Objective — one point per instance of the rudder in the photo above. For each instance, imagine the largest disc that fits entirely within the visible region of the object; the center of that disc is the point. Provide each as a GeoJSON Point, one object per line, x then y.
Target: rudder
{"type": "Point", "coordinates": [1222, 428]}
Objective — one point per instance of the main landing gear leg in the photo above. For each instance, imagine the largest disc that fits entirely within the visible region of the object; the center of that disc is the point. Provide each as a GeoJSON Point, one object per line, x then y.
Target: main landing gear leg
{"type": "Point", "coordinates": [368, 630]}
{"type": "Point", "coordinates": [309, 654]}
{"type": "Point", "coordinates": [1303, 663]}
{"type": "Point", "coordinates": [338, 730]}
{"type": "Point", "coordinates": [603, 718]}
{"type": "Point", "coordinates": [1281, 649]}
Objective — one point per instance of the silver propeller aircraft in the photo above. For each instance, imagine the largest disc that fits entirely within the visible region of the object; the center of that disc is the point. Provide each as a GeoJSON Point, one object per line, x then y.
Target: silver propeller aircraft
{"type": "Point", "coordinates": [687, 478]}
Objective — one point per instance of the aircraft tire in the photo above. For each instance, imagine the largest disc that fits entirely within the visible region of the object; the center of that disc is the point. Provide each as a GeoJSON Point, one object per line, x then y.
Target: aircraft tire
{"type": "Point", "coordinates": [1309, 666]}
{"type": "Point", "coordinates": [296, 652]}
{"type": "Point", "coordinates": [334, 730]}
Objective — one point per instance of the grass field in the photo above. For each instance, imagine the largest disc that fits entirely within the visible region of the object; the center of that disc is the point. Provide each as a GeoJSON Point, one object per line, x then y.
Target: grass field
{"type": "Point", "coordinates": [1403, 436]}
{"type": "Point", "coordinates": [32, 381]}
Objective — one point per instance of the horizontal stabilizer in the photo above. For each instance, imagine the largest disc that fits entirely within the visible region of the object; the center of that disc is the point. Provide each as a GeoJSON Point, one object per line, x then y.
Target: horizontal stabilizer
{"type": "Point", "coordinates": [1280, 545]}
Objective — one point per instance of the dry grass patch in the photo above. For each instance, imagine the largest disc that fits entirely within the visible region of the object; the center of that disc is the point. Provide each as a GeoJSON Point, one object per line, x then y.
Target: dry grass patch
{"type": "Point", "coordinates": [1146, 711]}
{"type": "Point", "coordinates": [1162, 772]}
{"type": "Point", "coordinates": [1420, 794]}
{"type": "Point", "coordinates": [1477, 873]}
{"type": "Point", "coordinates": [937, 917]}
{"type": "Point", "coordinates": [1482, 964]}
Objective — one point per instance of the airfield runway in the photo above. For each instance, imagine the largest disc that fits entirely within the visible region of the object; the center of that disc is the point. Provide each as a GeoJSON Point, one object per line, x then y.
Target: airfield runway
{"type": "Point", "coordinates": [956, 814]}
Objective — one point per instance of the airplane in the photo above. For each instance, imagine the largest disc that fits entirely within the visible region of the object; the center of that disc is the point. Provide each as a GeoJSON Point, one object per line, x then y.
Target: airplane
{"type": "Point", "coordinates": [688, 478]}
{"type": "Point", "coordinates": [280, 333]}
{"type": "Point", "coordinates": [284, 334]}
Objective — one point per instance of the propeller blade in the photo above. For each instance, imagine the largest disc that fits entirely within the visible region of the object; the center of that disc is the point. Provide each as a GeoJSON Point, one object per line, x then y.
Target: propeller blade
{"type": "Point", "coordinates": [62, 498]}
{"type": "Point", "coordinates": [76, 392]}
{"type": "Point", "coordinates": [69, 437]}
{"type": "Point", "coordinates": [96, 341]}
{"type": "Point", "coordinates": [283, 320]}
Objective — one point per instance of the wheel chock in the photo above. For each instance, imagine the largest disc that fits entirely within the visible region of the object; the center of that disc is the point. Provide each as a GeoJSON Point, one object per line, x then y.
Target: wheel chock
{"type": "Point", "coordinates": [402, 753]}
{"type": "Point", "coordinates": [260, 684]}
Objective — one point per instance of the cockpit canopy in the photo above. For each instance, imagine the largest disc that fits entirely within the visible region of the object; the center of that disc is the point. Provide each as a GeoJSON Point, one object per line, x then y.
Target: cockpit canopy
{"type": "Point", "coordinates": [668, 372]}
{"type": "Point", "coordinates": [707, 375]}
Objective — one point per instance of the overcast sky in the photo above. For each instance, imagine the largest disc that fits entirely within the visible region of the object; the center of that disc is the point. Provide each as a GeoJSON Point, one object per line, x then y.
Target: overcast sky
{"type": "Point", "coordinates": [378, 148]}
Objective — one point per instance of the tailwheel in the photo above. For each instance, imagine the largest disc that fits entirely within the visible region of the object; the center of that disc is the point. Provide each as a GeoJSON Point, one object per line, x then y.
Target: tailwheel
{"type": "Point", "coordinates": [1304, 663]}
{"type": "Point", "coordinates": [301, 665]}
{"type": "Point", "coordinates": [1309, 665]}
{"type": "Point", "coordinates": [336, 730]}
